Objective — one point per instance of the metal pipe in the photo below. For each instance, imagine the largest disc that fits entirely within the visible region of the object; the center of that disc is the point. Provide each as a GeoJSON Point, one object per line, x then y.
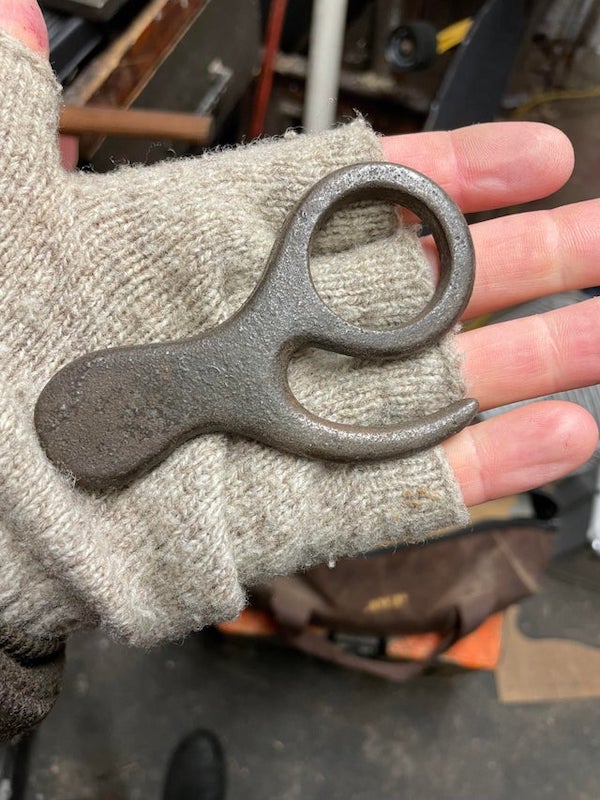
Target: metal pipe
{"type": "Point", "coordinates": [265, 81]}
{"type": "Point", "coordinates": [325, 61]}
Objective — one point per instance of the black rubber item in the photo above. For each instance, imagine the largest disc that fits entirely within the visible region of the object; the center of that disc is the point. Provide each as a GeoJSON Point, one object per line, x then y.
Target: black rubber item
{"type": "Point", "coordinates": [474, 83]}
{"type": "Point", "coordinates": [412, 46]}
{"type": "Point", "coordinates": [197, 769]}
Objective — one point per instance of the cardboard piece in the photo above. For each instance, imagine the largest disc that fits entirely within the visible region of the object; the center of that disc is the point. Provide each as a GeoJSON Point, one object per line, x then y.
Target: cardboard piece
{"type": "Point", "coordinates": [543, 670]}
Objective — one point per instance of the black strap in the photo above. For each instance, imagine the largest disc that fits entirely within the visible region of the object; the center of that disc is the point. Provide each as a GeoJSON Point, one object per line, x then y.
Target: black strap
{"type": "Point", "coordinates": [316, 645]}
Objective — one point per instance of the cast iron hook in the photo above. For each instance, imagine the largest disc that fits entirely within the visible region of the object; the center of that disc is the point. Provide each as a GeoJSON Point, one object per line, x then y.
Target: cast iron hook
{"type": "Point", "coordinates": [111, 416]}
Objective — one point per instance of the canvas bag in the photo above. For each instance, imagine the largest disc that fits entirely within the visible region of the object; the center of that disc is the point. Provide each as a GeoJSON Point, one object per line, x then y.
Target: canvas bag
{"type": "Point", "coordinates": [449, 585]}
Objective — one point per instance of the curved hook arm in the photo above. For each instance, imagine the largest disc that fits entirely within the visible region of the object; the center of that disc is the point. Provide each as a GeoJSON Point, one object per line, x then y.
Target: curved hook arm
{"type": "Point", "coordinates": [297, 430]}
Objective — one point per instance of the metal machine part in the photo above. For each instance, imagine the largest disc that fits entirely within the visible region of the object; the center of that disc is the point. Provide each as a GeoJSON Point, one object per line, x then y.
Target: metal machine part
{"type": "Point", "coordinates": [412, 46]}
{"type": "Point", "coordinates": [173, 57]}
{"type": "Point", "coordinates": [593, 530]}
{"type": "Point", "coordinates": [72, 40]}
{"type": "Point", "coordinates": [472, 89]}
{"type": "Point", "coordinates": [565, 20]}
{"type": "Point", "coordinates": [110, 416]}
{"type": "Point", "coordinates": [14, 762]}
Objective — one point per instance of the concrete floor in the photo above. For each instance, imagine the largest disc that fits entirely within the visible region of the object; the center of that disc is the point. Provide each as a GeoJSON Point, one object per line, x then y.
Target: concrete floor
{"type": "Point", "coordinates": [294, 727]}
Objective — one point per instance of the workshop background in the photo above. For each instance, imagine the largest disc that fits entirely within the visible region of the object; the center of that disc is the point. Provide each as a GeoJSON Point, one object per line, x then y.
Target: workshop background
{"type": "Point", "coordinates": [513, 711]}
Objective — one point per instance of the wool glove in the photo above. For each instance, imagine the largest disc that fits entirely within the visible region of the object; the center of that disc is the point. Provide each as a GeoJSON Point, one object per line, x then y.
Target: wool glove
{"type": "Point", "coordinates": [150, 254]}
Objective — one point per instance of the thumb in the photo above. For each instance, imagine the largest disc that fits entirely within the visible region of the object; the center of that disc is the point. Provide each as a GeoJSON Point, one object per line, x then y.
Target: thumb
{"type": "Point", "coordinates": [23, 20]}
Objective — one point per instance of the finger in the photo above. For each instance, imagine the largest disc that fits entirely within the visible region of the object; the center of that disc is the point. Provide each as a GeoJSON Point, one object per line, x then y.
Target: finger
{"type": "Point", "coordinates": [533, 356]}
{"type": "Point", "coordinates": [524, 256]}
{"type": "Point", "coordinates": [23, 19]}
{"type": "Point", "coordinates": [520, 450]}
{"type": "Point", "coordinates": [488, 166]}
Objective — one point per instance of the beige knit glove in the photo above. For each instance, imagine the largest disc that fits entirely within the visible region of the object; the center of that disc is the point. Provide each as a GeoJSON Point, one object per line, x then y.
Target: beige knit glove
{"type": "Point", "coordinates": [143, 255]}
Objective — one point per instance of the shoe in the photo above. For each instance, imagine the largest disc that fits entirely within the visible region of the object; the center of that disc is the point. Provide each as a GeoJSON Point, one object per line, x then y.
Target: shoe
{"type": "Point", "coordinates": [197, 769]}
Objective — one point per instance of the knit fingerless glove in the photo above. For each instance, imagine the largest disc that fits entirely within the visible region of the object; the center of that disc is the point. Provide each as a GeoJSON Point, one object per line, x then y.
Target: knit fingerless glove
{"type": "Point", "coordinates": [150, 254]}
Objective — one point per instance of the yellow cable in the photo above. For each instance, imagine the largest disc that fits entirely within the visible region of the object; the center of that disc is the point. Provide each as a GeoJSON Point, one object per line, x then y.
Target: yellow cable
{"type": "Point", "coordinates": [453, 35]}
{"type": "Point", "coordinates": [550, 97]}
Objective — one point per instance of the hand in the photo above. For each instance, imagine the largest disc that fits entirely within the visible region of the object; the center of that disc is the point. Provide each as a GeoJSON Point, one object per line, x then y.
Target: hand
{"type": "Point", "coordinates": [519, 257]}
{"type": "Point", "coordinates": [90, 261]}
{"type": "Point", "coordinates": [156, 255]}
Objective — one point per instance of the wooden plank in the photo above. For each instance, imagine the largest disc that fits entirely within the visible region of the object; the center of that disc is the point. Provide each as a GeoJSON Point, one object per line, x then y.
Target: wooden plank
{"type": "Point", "coordinates": [76, 120]}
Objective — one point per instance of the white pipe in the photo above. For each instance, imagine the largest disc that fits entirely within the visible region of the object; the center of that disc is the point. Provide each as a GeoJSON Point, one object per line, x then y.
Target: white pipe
{"type": "Point", "coordinates": [324, 63]}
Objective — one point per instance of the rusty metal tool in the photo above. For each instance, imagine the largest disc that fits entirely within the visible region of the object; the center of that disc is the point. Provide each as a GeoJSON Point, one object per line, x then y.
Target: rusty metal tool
{"type": "Point", "coordinates": [110, 416]}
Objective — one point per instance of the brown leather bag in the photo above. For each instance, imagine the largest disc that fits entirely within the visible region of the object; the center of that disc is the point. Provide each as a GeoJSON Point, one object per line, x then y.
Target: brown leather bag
{"type": "Point", "coordinates": [449, 586]}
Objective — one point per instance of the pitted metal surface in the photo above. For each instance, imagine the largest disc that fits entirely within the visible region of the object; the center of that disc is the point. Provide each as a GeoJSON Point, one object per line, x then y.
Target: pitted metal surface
{"type": "Point", "coordinates": [111, 416]}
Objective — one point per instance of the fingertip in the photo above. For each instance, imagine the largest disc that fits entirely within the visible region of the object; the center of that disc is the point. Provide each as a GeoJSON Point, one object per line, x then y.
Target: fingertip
{"type": "Point", "coordinates": [575, 430]}
{"type": "Point", "coordinates": [524, 448]}
{"type": "Point", "coordinates": [538, 158]}
{"type": "Point", "coordinates": [558, 147]}
{"type": "Point", "coordinates": [565, 436]}
{"type": "Point", "coordinates": [489, 165]}
{"type": "Point", "coordinates": [23, 20]}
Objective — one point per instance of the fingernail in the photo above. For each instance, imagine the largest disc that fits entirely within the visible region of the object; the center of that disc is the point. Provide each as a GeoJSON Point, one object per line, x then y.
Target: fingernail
{"type": "Point", "coordinates": [23, 19]}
